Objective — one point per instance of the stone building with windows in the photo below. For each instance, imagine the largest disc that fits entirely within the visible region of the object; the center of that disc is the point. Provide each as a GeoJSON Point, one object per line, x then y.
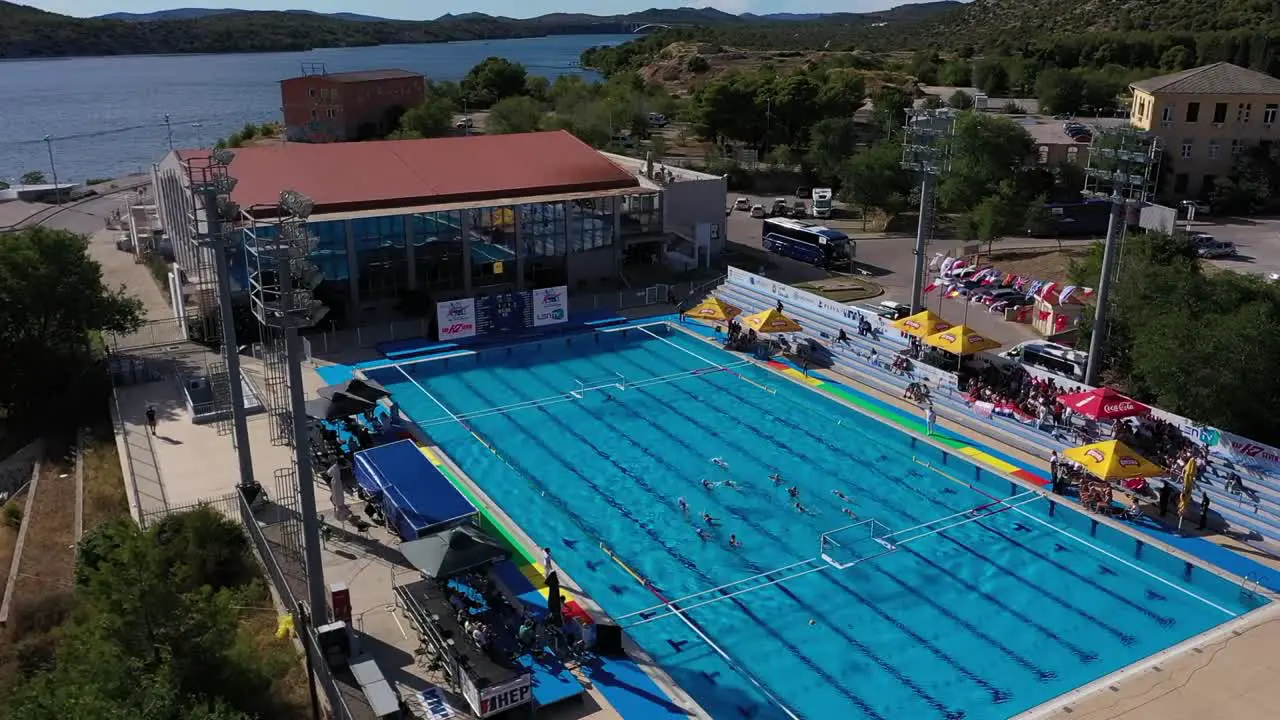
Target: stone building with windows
{"type": "Point", "coordinates": [1206, 116]}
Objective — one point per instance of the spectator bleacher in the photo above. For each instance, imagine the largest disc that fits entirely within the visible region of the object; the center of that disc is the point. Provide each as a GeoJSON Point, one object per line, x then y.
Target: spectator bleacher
{"type": "Point", "coordinates": [1254, 508]}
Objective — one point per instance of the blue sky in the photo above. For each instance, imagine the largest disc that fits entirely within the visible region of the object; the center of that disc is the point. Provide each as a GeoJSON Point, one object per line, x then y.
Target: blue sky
{"type": "Point", "coordinates": [409, 10]}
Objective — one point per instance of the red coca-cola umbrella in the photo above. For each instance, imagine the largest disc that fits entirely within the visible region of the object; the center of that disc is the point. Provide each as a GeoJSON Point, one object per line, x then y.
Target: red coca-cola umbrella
{"type": "Point", "coordinates": [1103, 404]}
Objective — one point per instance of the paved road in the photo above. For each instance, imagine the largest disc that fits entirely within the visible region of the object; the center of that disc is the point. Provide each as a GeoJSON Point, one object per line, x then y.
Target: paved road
{"type": "Point", "coordinates": [85, 216]}
{"type": "Point", "coordinates": [1258, 242]}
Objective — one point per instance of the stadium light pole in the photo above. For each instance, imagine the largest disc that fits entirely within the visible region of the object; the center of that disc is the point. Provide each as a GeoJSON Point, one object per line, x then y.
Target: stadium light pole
{"type": "Point", "coordinates": [168, 127]}
{"type": "Point", "coordinates": [1123, 164]}
{"type": "Point", "coordinates": [926, 150]}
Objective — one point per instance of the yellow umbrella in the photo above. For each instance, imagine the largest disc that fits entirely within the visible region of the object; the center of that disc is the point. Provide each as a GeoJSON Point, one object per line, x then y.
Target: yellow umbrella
{"type": "Point", "coordinates": [713, 308]}
{"type": "Point", "coordinates": [771, 321]}
{"type": "Point", "coordinates": [1113, 460]}
{"type": "Point", "coordinates": [922, 324]}
{"type": "Point", "coordinates": [961, 341]}
{"type": "Point", "coordinates": [1188, 487]}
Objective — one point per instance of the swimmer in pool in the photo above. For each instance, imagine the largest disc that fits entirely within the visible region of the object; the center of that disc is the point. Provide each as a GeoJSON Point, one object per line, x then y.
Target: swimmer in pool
{"type": "Point", "coordinates": [842, 496]}
{"type": "Point", "coordinates": [729, 483]}
{"type": "Point", "coordinates": [720, 462]}
{"type": "Point", "coordinates": [793, 492]}
{"type": "Point", "coordinates": [706, 518]}
{"type": "Point", "coordinates": [776, 478]}
{"type": "Point", "coordinates": [702, 534]}
{"type": "Point", "coordinates": [734, 541]}
{"type": "Point", "coordinates": [708, 484]}
{"type": "Point", "coordinates": [684, 505]}
{"type": "Point", "coordinates": [849, 512]}
{"type": "Point", "coordinates": [801, 509]}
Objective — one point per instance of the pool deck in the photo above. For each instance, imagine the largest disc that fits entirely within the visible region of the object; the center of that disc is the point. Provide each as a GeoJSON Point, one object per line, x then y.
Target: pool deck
{"type": "Point", "coordinates": [1226, 672]}
{"type": "Point", "coordinates": [185, 464]}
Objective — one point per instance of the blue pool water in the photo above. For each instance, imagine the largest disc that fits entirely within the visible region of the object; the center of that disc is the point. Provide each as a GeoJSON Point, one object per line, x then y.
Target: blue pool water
{"type": "Point", "coordinates": [982, 620]}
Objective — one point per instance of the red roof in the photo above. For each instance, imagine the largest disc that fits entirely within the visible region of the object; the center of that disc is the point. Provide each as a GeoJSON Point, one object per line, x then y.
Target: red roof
{"type": "Point", "coordinates": [389, 174]}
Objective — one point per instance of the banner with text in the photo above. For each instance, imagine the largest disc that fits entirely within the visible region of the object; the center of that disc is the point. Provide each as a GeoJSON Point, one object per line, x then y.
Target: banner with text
{"type": "Point", "coordinates": [500, 698]}
{"type": "Point", "coordinates": [456, 319]}
{"type": "Point", "coordinates": [550, 306]}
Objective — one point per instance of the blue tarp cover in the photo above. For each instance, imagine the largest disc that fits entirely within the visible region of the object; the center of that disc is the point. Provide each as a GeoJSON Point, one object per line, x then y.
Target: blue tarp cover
{"type": "Point", "coordinates": [414, 495]}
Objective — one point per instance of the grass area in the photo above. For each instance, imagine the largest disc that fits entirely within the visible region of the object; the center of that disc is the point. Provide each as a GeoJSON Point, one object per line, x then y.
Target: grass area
{"type": "Point", "coordinates": [843, 290]}
{"type": "Point", "coordinates": [104, 493]}
{"type": "Point", "coordinates": [280, 658]}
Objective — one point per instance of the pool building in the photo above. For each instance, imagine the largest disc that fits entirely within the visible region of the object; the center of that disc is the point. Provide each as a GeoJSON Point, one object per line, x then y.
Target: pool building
{"type": "Point", "coordinates": [402, 221]}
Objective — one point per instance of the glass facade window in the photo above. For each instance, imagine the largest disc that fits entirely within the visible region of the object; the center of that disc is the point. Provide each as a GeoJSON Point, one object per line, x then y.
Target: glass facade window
{"type": "Point", "coordinates": [591, 224]}
{"type": "Point", "coordinates": [437, 251]}
{"type": "Point", "coordinates": [493, 246]}
{"type": "Point", "coordinates": [544, 233]}
{"type": "Point", "coordinates": [641, 214]}
{"type": "Point", "coordinates": [383, 269]}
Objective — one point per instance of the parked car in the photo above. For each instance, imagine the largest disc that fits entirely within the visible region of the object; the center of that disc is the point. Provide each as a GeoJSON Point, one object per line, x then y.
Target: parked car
{"type": "Point", "coordinates": [1217, 249]}
{"type": "Point", "coordinates": [1201, 207]}
{"type": "Point", "coordinates": [657, 120]}
{"type": "Point", "coordinates": [1013, 302]}
{"type": "Point", "coordinates": [802, 193]}
{"type": "Point", "coordinates": [779, 207]}
{"type": "Point", "coordinates": [757, 211]}
{"type": "Point", "coordinates": [464, 123]}
{"type": "Point", "coordinates": [742, 204]}
{"type": "Point", "coordinates": [799, 209]}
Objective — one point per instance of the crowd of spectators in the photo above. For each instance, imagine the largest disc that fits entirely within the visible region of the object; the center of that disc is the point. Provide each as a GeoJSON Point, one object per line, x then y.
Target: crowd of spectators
{"type": "Point", "coordinates": [1018, 392]}
{"type": "Point", "coordinates": [1158, 440]}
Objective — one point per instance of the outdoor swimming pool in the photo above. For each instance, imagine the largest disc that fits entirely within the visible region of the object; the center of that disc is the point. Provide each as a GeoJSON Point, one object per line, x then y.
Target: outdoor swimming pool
{"type": "Point", "coordinates": [980, 619]}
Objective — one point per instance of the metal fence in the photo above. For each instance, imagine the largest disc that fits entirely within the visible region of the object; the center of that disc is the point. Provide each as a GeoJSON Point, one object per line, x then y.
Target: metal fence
{"type": "Point", "coordinates": [153, 333]}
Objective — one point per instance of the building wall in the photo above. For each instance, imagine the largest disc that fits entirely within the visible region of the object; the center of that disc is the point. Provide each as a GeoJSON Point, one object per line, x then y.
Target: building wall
{"type": "Point", "coordinates": [1202, 133]}
{"type": "Point", "coordinates": [319, 109]}
{"type": "Point", "coordinates": [689, 203]}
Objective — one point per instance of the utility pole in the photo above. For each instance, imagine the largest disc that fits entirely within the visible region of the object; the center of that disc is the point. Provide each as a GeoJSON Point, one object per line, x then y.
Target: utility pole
{"type": "Point", "coordinates": [169, 130]}
{"type": "Point", "coordinates": [1123, 165]}
{"type": "Point", "coordinates": [926, 149]}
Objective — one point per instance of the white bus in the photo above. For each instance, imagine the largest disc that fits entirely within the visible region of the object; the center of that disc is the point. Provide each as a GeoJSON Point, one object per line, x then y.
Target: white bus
{"type": "Point", "coordinates": [1052, 358]}
{"type": "Point", "coordinates": [822, 202]}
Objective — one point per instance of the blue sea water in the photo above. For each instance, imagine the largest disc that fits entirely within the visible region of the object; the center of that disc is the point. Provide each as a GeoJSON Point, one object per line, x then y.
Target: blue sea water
{"type": "Point", "coordinates": [106, 114]}
{"type": "Point", "coordinates": [980, 620]}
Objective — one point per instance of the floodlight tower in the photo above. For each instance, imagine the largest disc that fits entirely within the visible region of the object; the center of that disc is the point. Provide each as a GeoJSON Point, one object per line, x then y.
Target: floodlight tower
{"type": "Point", "coordinates": [212, 222]}
{"type": "Point", "coordinates": [282, 283]}
{"type": "Point", "coordinates": [1123, 165]}
{"type": "Point", "coordinates": [926, 149]}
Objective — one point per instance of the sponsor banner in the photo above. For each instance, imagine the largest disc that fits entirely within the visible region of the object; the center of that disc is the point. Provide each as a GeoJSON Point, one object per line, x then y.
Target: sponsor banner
{"type": "Point", "coordinates": [1242, 450]}
{"type": "Point", "coordinates": [470, 692]}
{"type": "Point", "coordinates": [500, 698]}
{"type": "Point", "coordinates": [456, 319]}
{"type": "Point", "coordinates": [550, 306]}
{"type": "Point", "coordinates": [436, 706]}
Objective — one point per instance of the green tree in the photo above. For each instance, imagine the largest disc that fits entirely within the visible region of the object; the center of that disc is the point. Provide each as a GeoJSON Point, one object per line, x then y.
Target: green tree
{"type": "Point", "coordinates": [33, 177]}
{"type": "Point", "coordinates": [515, 115]}
{"type": "Point", "coordinates": [1060, 91]}
{"type": "Point", "coordinates": [538, 88]}
{"type": "Point", "coordinates": [956, 74]}
{"type": "Point", "coordinates": [889, 107]}
{"type": "Point", "coordinates": [991, 77]}
{"type": "Point", "coordinates": [433, 118]}
{"type": "Point", "coordinates": [831, 143]}
{"type": "Point", "coordinates": [986, 151]}
{"type": "Point", "coordinates": [932, 102]}
{"type": "Point", "coordinates": [874, 179]}
{"type": "Point", "coordinates": [1252, 185]}
{"type": "Point", "coordinates": [995, 216]}
{"type": "Point", "coordinates": [960, 100]}
{"type": "Point", "coordinates": [494, 79]}
{"type": "Point", "coordinates": [52, 298]}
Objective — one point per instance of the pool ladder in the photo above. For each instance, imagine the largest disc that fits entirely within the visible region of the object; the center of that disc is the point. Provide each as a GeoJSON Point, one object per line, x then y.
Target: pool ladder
{"type": "Point", "coordinates": [1249, 585]}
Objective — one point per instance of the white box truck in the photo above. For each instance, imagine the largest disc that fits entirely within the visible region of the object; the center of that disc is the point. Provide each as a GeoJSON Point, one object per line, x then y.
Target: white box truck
{"type": "Point", "coordinates": [822, 202]}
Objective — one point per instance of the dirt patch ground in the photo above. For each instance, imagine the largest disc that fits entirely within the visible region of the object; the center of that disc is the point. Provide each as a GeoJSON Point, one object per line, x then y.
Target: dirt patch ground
{"type": "Point", "coordinates": [1041, 264]}
{"type": "Point", "coordinates": [9, 536]}
{"type": "Point", "coordinates": [843, 290]}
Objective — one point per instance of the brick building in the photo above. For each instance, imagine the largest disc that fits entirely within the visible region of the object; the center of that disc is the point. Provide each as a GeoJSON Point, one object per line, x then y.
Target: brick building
{"type": "Point", "coordinates": [335, 107]}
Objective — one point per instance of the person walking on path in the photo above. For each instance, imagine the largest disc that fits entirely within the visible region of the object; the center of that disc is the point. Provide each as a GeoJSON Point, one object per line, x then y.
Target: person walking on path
{"type": "Point", "coordinates": [930, 420]}
{"type": "Point", "coordinates": [151, 418]}
{"type": "Point", "coordinates": [546, 561]}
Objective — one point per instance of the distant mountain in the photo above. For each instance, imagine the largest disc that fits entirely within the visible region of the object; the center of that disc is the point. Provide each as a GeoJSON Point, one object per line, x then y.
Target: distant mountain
{"type": "Point", "coordinates": [195, 13]}
{"type": "Point", "coordinates": [1021, 20]}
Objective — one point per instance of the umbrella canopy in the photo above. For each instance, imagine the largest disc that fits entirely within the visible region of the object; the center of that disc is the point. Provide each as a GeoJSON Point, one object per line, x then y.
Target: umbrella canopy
{"type": "Point", "coordinates": [1113, 460]}
{"type": "Point", "coordinates": [771, 321]}
{"type": "Point", "coordinates": [453, 551]}
{"type": "Point", "coordinates": [1103, 404]}
{"type": "Point", "coordinates": [713, 308]}
{"type": "Point", "coordinates": [922, 324]}
{"type": "Point", "coordinates": [960, 340]}
{"type": "Point", "coordinates": [1188, 487]}
{"type": "Point", "coordinates": [341, 405]}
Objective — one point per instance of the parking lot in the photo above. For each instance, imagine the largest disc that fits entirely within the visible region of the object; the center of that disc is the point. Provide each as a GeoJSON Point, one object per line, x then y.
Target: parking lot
{"type": "Point", "coordinates": [1257, 243]}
